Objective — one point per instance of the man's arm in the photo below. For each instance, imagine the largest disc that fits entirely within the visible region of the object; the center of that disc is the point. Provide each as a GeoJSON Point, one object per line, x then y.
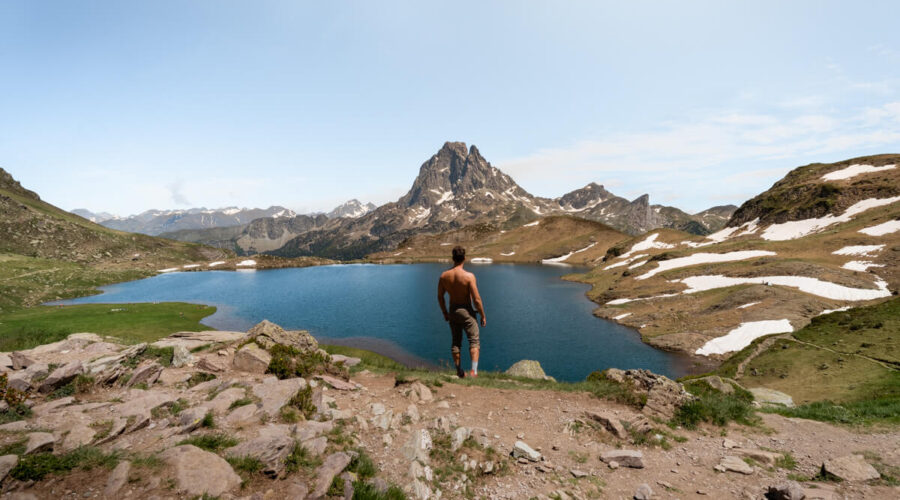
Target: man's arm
{"type": "Point", "coordinates": [441, 292]}
{"type": "Point", "coordinates": [476, 298]}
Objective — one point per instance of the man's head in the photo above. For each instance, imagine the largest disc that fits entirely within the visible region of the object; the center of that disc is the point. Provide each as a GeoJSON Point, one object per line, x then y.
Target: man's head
{"type": "Point", "coordinates": [459, 255]}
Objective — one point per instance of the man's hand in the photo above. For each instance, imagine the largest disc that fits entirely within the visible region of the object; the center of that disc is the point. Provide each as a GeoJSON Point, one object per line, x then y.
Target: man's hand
{"type": "Point", "coordinates": [483, 320]}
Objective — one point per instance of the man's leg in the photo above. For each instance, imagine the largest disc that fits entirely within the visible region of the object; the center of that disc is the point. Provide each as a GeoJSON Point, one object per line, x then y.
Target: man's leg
{"type": "Point", "coordinates": [474, 352]}
{"type": "Point", "coordinates": [456, 331]}
{"type": "Point", "coordinates": [472, 334]}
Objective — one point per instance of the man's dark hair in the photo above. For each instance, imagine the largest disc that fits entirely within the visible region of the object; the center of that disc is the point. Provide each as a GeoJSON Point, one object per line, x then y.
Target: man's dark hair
{"type": "Point", "coordinates": [459, 255]}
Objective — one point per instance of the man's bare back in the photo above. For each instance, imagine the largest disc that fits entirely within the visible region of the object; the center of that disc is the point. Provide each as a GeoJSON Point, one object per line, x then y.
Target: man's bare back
{"type": "Point", "coordinates": [463, 290]}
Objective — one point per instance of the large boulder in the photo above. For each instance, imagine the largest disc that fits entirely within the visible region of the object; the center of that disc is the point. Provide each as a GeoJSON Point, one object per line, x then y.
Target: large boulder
{"type": "Point", "coordinates": [333, 465]}
{"type": "Point", "coordinates": [62, 376]}
{"type": "Point", "coordinates": [146, 373]}
{"type": "Point", "coordinates": [270, 450]}
{"type": "Point", "coordinates": [268, 334]}
{"type": "Point", "coordinates": [199, 472]}
{"type": "Point", "coordinates": [625, 458]}
{"type": "Point", "coordinates": [664, 395]}
{"type": "Point", "coordinates": [252, 359]}
{"type": "Point", "coordinates": [528, 368]}
{"type": "Point", "coordinates": [850, 468]}
{"type": "Point", "coordinates": [609, 422]}
{"type": "Point", "coordinates": [770, 397]}
{"type": "Point", "coordinates": [274, 393]}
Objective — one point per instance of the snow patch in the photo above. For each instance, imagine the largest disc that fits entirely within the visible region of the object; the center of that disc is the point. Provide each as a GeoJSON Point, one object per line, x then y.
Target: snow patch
{"type": "Point", "coordinates": [248, 262]}
{"type": "Point", "coordinates": [829, 311]}
{"type": "Point", "coordinates": [507, 254]}
{"type": "Point", "coordinates": [745, 306]}
{"type": "Point", "coordinates": [853, 171]}
{"type": "Point", "coordinates": [622, 316]}
{"type": "Point", "coordinates": [812, 286]}
{"type": "Point", "coordinates": [861, 250]}
{"type": "Point", "coordinates": [639, 264]}
{"type": "Point", "coordinates": [447, 195]}
{"type": "Point", "coordinates": [646, 244]}
{"type": "Point", "coordinates": [532, 224]}
{"type": "Point", "coordinates": [743, 335]}
{"type": "Point", "coordinates": [190, 266]}
{"type": "Point", "coordinates": [704, 258]}
{"type": "Point", "coordinates": [891, 226]}
{"type": "Point", "coordinates": [626, 261]}
{"type": "Point", "coordinates": [216, 263]}
{"type": "Point", "coordinates": [617, 302]}
{"type": "Point", "coordinates": [799, 228]}
{"type": "Point", "coordinates": [562, 258]}
{"type": "Point", "coordinates": [169, 270]}
{"type": "Point", "coordinates": [860, 265]}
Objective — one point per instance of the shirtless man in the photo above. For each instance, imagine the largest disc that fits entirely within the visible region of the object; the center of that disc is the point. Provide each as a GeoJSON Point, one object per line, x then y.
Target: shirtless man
{"type": "Point", "coordinates": [460, 284]}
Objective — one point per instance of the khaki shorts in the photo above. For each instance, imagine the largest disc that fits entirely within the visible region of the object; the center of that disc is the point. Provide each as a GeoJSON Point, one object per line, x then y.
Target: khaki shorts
{"type": "Point", "coordinates": [463, 318]}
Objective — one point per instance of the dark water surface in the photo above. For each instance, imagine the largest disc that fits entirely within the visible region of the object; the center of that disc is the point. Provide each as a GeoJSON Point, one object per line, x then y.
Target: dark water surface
{"type": "Point", "coordinates": [392, 309]}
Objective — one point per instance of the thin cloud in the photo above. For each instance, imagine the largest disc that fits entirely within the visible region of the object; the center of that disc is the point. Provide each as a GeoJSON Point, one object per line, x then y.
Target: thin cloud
{"type": "Point", "coordinates": [175, 193]}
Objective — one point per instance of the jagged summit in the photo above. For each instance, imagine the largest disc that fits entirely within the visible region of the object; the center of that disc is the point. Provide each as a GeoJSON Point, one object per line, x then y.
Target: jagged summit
{"type": "Point", "coordinates": [352, 209]}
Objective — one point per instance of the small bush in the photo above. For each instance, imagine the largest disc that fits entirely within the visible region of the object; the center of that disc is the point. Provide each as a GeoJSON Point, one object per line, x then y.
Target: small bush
{"type": "Point", "coordinates": [13, 397]}
{"type": "Point", "coordinates": [249, 465]}
{"type": "Point", "coordinates": [63, 391]}
{"type": "Point", "coordinates": [240, 402]}
{"type": "Point", "coordinates": [299, 458]}
{"type": "Point", "coordinates": [199, 378]}
{"type": "Point", "coordinates": [18, 412]}
{"type": "Point", "coordinates": [362, 465]}
{"type": "Point", "coordinates": [208, 421]}
{"type": "Point", "coordinates": [211, 442]}
{"type": "Point", "coordinates": [36, 467]}
{"type": "Point", "coordinates": [366, 491]}
{"type": "Point", "coordinates": [714, 407]}
{"type": "Point", "coordinates": [290, 362]}
{"type": "Point", "coordinates": [302, 401]}
{"type": "Point", "coordinates": [17, 448]}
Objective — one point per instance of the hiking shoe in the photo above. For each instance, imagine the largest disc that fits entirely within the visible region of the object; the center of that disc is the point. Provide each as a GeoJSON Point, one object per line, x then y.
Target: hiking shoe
{"type": "Point", "coordinates": [460, 373]}
{"type": "Point", "coordinates": [473, 374]}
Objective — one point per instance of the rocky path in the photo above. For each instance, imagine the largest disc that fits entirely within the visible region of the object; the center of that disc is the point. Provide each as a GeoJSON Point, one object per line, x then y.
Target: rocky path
{"type": "Point", "coordinates": [214, 423]}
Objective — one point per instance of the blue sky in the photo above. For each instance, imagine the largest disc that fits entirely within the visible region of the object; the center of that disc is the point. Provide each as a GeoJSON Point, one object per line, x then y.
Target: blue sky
{"type": "Point", "coordinates": [126, 106]}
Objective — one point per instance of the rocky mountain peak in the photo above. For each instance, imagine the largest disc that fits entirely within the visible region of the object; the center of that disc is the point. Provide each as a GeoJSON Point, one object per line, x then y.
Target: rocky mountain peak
{"type": "Point", "coordinates": [586, 197]}
{"type": "Point", "coordinates": [455, 172]}
{"type": "Point", "coordinates": [352, 208]}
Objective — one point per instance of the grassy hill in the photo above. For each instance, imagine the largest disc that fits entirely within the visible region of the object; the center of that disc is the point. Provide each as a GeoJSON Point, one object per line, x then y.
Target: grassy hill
{"type": "Point", "coordinates": [47, 253]}
{"type": "Point", "coordinates": [548, 238]}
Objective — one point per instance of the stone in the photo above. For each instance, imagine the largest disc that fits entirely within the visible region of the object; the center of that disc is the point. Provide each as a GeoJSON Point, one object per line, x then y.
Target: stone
{"type": "Point", "coordinates": [79, 435]}
{"type": "Point", "coordinates": [199, 472]}
{"type": "Point", "coordinates": [418, 447]}
{"type": "Point", "coordinates": [316, 446]}
{"type": "Point", "coordinates": [117, 479]}
{"type": "Point", "coordinates": [522, 450]}
{"type": "Point", "coordinates": [7, 462]}
{"type": "Point", "coordinates": [850, 468]}
{"type": "Point", "coordinates": [613, 464]}
{"type": "Point", "coordinates": [310, 429]}
{"type": "Point", "coordinates": [6, 363]}
{"type": "Point", "coordinates": [643, 492]}
{"type": "Point", "coordinates": [578, 474]}
{"type": "Point", "coordinates": [767, 458]}
{"type": "Point", "coordinates": [118, 426]}
{"type": "Point", "coordinates": [412, 412]}
{"type": "Point", "coordinates": [766, 396]}
{"type": "Point", "coordinates": [244, 415]}
{"type": "Point", "coordinates": [191, 418]}
{"type": "Point", "coordinates": [252, 359]}
{"type": "Point", "coordinates": [224, 399]}
{"type": "Point", "coordinates": [275, 394]}
{"type": "Point", "coordinates": [718, 384]}
{"type": "Point", "coordinates": [625, 458]}
{"type": "Point", "coordinates": [297, 489]}
{"type": "Point", "coordinates": [336, 383]}
{"type": "Point", "coordinates": [181, 356]}
{"type": "Point", "coordinates": [418, 391]}
{"type": "Point", "coordinates": [212, 364]}
{"type": "Point", "coordinates": [789, 490]}
{"type": "Point", "coordinates": [333, 465]}
{"type": "Point", "coordinates": [19, 360]}
{"type": "Point", "coordinates": [145, 373]}
{"type": "Point", "coordinates": [267, 334]}
{"type": "Point", "coordinates": [384, 420]}
{"type": "Point", "coordinates": [52, 405]}
{"type": "Point", "coordinates": [728, 444]}
{"type": "Point", "coordinates": [732, 463]}
{"type": "Point", "coordinates": [143, 402]}
{"type": "Point", "coordinates": [609, 422]}
{"type": "Point", "coordinates": [420, 491]}
{"type": "Point", "coordinates": [39, 442]}
{"type": "Point", "coordinates": [62, 376]}
{"type": "Point", "coordinates": [528, 368]}
{"type": "Point", "coordinates": [377, 409]}
{"type": "Point", "coordinates": [458, 437]}
{"type": "Point", "coordinates": [346, 360]}
{"type": "Point", "coordinates": [270, 450]}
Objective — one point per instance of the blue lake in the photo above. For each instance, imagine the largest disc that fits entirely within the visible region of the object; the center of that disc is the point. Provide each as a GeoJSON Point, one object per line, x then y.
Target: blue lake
{"type": "Point", "coordinates": [392, 309]}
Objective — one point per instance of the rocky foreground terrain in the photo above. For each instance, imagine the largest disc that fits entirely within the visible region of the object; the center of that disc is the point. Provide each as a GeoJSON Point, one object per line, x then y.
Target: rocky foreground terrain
{"type": "Point", "coordinates": [266, 414]}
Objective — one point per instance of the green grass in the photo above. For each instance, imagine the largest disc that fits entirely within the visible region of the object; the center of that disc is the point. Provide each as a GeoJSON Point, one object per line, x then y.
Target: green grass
{"type": "Point", "coordinates": [131, 323]}
{"type": "Point", "coordinates": [370, 360]}
{"type": "Point", "coordinates": [714, 407]}
{"type": "Point", "coordinates": [301, 458]}
{"type": "Point", "coordinates": [36, 467]}
{"type": "Point", "coordinates": [249, 465]}
{"type": "Point", "coordinates": [866, 412]}
{"type": "Point", "coordinates": [365, 491]}
{"type": "Point", "coordinates": [211, 442]}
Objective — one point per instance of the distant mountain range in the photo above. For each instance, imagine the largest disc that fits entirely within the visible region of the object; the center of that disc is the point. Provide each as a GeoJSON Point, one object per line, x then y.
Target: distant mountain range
{"type": "Point", "coordinates": [157, 222]}
{"type": "Point", "coordinates": [456, 187]}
